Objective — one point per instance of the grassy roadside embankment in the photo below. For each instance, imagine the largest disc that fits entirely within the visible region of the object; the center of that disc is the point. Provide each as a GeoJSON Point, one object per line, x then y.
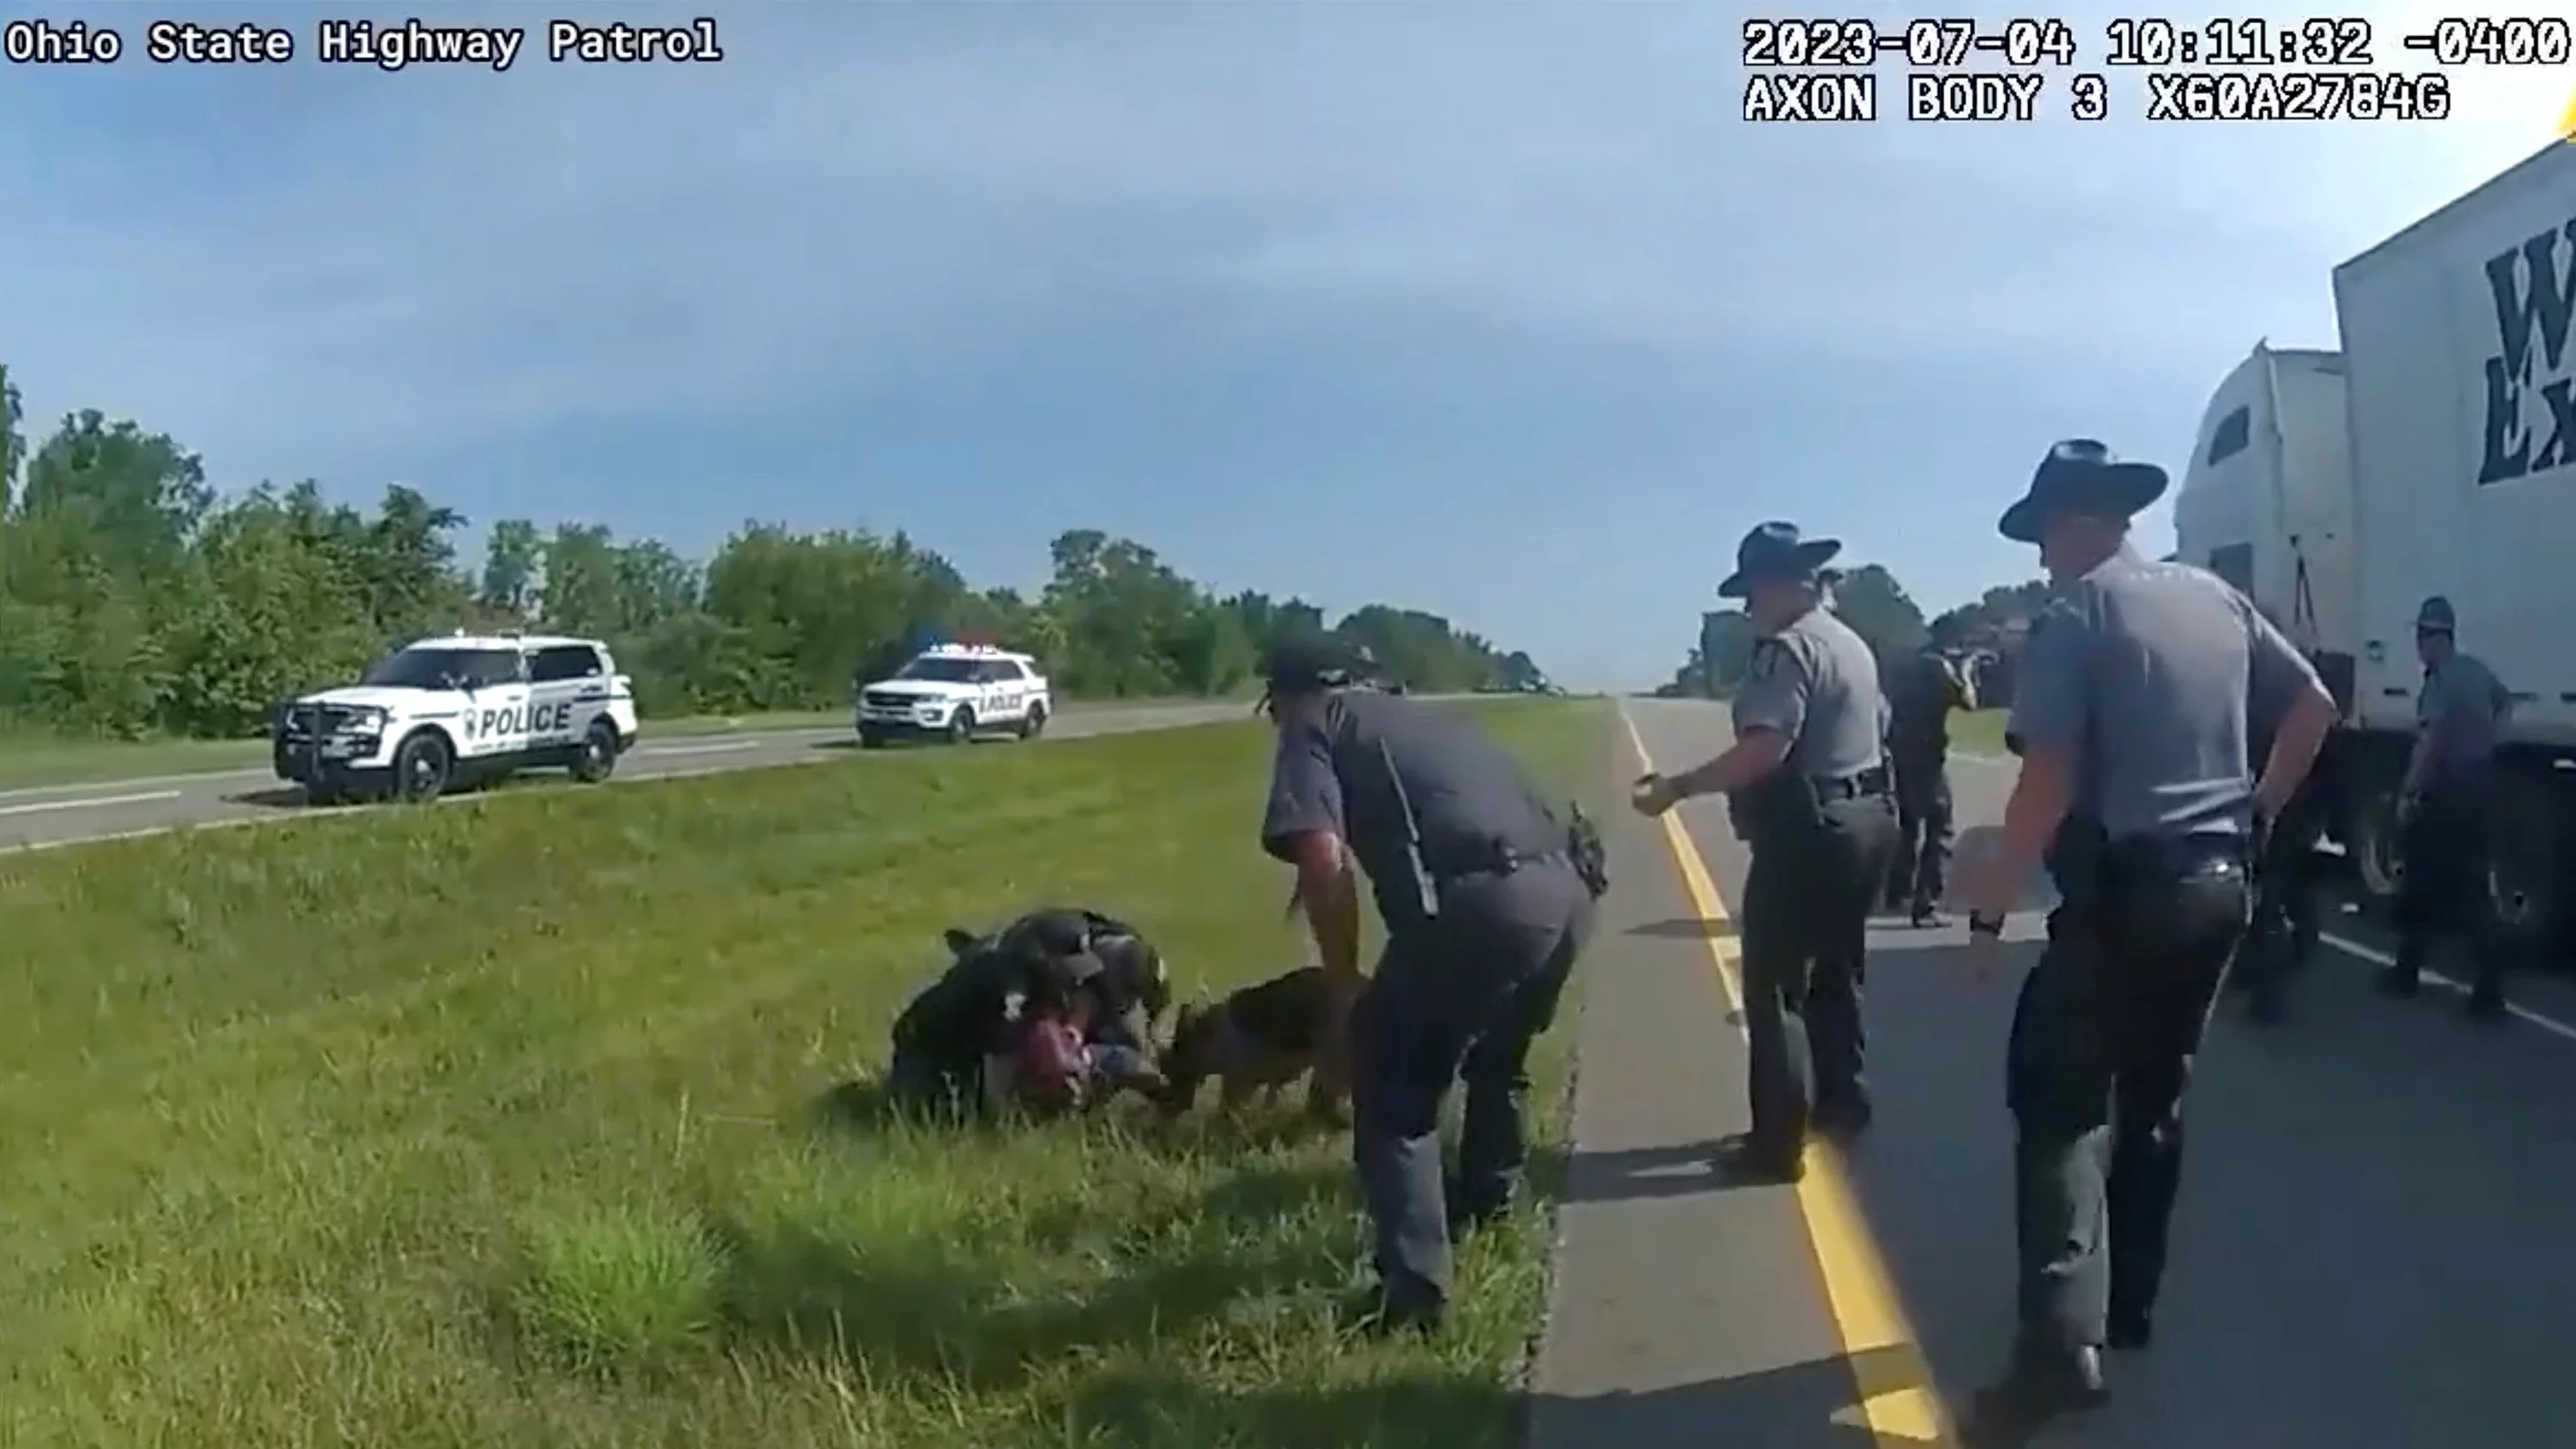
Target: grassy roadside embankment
{"type": "Point", "coordinates": [500, 1126]}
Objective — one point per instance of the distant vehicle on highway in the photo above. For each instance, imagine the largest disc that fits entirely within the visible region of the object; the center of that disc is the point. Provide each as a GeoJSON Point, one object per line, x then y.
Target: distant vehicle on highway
{"type": "Point", "coordinates": [954, 692]}
{"type": "Point", "coordinates": [459, 709]}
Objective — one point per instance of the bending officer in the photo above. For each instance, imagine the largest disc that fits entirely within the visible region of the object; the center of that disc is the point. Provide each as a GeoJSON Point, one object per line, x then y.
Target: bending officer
{"type": "Point", "coordinates": [1486, 895]}
{"type": "Point", "coordinates": [2130, 716]}
{"type": "Point", "coordinates": [1807, 782]}
{"type": "Point", "coordinates": [2443, 827]}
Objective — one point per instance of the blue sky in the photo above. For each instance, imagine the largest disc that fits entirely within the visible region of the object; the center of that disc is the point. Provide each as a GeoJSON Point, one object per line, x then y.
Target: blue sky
{"type": "Point", "coordinates": [1497, 310]}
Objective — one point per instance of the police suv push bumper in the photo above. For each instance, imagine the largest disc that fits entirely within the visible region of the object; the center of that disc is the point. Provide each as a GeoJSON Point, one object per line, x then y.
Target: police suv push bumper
{"type": "Point", "coordinates": [331, 745]}
{"type": "Point", "coordinates": [895, 711]}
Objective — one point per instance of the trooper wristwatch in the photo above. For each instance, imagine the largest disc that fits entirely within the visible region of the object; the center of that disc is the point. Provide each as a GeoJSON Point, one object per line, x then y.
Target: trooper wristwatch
{"type": "Point", "coordinates": [1980, 924]}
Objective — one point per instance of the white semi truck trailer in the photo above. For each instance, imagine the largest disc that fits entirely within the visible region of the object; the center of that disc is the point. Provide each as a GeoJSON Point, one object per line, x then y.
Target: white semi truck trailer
{"type": "Point", "coordinates": [2435, 453]}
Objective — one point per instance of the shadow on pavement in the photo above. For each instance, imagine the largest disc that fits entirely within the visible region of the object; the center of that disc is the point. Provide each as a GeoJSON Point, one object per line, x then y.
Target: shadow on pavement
{"type": "Point", "coordinates": [1638, 1173]}
{"type": "Point", "coordinates": [1810, 1405]}
{"type": "Point", "coordinates": [2369, 1252]}
{"type": "Point", "coordinates": [282, 797]}
{"type": "Point", "coordinates": [1684, 928]}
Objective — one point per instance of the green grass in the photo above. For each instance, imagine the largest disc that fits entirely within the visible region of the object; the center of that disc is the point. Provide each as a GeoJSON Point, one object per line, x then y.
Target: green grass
{"type": "Point", "coordinates": [509, 1124]}
{"type": "Point", "coordinates": [1980, 732]}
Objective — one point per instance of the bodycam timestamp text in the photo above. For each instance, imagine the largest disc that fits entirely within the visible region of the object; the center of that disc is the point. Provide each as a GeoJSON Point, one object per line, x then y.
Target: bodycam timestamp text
{"type": "Point", "coordinates": [386, 45]}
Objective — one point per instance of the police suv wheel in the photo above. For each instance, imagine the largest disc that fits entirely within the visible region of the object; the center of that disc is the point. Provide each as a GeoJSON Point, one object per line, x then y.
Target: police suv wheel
{"type": "Point", "coordinates": [961, 726]}
{"type": "Point", "coordinates": [1033, 722]}
{"type": "Point", "coordinates": [871, 740]}
{"type": "Point", "coordinates": [422, 769]}
{"type": "Point", "coordinates": [597, 758]}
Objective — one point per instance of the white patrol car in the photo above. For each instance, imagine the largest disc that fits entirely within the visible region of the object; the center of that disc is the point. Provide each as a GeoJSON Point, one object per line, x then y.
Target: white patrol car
{"type": "Point", "coordinates": [457, 710]}
{"type": "Point", "coordinates": [954, 692]}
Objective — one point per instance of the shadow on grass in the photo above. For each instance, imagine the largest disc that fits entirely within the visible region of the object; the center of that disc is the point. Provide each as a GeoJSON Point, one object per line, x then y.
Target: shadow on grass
{"type": "Point", "coordinates": [939, 1310]}
{"type": "Point", "coordinates": [1416, 1409]}
{"type": "Point", "coordinates": [1813, 1403]}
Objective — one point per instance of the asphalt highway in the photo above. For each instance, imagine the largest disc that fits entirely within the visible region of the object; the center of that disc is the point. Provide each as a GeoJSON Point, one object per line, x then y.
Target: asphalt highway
{"type": "Point", "coordinates": [54, 815]}
{"type": "Point", "coordinates": [2372, 1251]}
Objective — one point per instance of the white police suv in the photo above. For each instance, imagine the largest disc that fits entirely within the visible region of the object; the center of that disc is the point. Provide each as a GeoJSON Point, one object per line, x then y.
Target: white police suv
{"type": "Point", "coordinates": [954, 692]}
{"type": "Point", "coordinates": [459, 710]}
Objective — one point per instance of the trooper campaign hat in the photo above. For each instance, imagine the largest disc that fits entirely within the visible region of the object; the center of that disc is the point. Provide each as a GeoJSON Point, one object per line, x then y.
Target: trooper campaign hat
{"type": "Point", "coordinates": [2081, 475]}
{"type": "Point", "coordinates": [1777, 553]}
{"type": "Point", "coordinates": [2436, 617]}
{"type": "Point", "coordinates": [1305, 662]}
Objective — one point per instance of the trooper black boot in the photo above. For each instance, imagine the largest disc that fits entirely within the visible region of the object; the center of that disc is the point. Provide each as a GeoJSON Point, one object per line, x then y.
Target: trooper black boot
{"type": "Point", "coordinates": [1743, 1159]}
{"type": "Point", "coordinates": [2040, 1388]}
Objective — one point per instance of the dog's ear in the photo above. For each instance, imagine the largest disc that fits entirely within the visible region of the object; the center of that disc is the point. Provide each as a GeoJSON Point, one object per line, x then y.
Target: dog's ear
{"type": "Point", "coordinates": [959, 942]}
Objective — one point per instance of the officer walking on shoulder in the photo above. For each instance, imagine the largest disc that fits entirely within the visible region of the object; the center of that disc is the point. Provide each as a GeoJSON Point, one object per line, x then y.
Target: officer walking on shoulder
{"type": "Point", "coordinates": [1487, 896]}
{"type": "Point", "coordinates": [1920, 699]}
{"type": "Point", "coordinates": [2443, 832]}
{"type": "Point", "coordinates": [2129, 713]}
{"type": "Point", "coordinates": [1808, 782]}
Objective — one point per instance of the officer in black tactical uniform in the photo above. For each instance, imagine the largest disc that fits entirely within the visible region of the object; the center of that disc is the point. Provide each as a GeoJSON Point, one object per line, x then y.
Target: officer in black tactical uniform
{"type": "Point", "coordinates": [1808, 782]}
{"type": "Point", "coordinates": [2130, 714]}
{"type": "Point", "coordinates": [2444, 813]}
{"type": "Point", "coordinates": [1486, 894]}
{"type": "Point", "coordinates": [1920, 698]}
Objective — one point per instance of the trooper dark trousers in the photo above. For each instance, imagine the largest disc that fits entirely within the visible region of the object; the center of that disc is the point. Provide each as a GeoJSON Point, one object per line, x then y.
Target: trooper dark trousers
{"type": "Point", "coordinates": [2283, 933]}
{"type": "Point", "coordinates": [2443, 890]}
{"type": "Point", "coordinates": [1807, 901]}
{"type": "Point", "coordinates": [1923, 822]}
{"type": "Point", "coordinates": [2102, 1045]}
{"type": "Point", "coordinates": [1461, 997]}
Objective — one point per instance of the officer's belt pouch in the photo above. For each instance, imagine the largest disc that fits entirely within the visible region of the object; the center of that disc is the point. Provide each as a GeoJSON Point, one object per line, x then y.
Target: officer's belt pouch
{"type": "Point", "coordinates": [1781, 806]}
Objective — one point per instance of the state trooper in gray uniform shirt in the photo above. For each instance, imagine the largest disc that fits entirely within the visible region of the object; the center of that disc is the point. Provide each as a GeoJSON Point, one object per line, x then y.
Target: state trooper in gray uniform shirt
{"type": "Point", "coordinates": [1486, 893]}
{"type": "Point", "coordinates": [1808, 782]}
{"type": "Point", "coordinates": [2131, 715]}
{"type": "Point", "coordinates": [2444, 835]}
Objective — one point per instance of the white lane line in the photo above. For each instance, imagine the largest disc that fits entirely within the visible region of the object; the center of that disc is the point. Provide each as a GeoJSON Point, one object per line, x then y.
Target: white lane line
{"type": "Point", "coordinates": [719, 747]}
{"type": "Point", "coordinates": [2376, 957]}
{"type": "Point", "coordinates": [90, 803]}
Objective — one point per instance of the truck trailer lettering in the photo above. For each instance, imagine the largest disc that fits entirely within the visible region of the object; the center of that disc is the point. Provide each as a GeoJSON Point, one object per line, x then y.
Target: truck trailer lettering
{"type": "Point", "coordinates": [2533, 292]}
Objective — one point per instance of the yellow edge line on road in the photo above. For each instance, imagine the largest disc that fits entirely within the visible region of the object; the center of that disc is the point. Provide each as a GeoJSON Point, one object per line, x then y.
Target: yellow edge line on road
{"type": "Point", "coordinates": [1897, 1399]}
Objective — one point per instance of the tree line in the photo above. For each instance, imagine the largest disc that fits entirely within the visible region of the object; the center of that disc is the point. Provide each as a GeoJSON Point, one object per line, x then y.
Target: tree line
{"type": "Point", "coordinates": [1871, 600]}
{"type": "Point", "coordinates": [135, 598]}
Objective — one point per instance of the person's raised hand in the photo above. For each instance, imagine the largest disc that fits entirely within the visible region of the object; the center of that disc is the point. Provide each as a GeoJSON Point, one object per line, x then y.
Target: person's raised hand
{"type": "Point", "coordinates": [1652, 795]}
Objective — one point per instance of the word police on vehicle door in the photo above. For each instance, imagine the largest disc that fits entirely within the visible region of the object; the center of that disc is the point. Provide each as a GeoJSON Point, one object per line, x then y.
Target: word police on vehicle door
{"type": "Point", "coordinates": [541, 719]}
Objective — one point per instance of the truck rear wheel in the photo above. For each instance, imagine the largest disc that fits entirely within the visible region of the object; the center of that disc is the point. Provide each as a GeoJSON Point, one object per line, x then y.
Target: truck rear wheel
{"type": "Point", "coordinates": [2525, 877]}
{"type": "Point", "coordinates": [2371, 839]}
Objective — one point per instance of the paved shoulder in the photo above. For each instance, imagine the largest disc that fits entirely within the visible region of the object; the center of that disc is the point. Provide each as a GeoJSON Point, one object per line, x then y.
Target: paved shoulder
{"type": "Point", "coordinates": [1685, 1311]}
{"type": "Point", "coordinates": [2372, 1247]}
